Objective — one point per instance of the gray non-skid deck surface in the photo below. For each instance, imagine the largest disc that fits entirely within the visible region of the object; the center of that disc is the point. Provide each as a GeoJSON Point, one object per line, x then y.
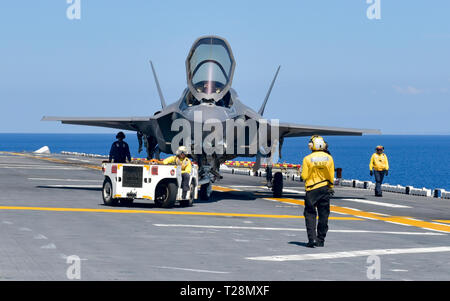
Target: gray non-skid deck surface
{"type": "Point", "coordinates": [154, 245]}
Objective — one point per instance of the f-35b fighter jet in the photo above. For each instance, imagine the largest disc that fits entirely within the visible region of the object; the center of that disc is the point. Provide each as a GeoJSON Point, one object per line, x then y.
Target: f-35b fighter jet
{"type": "Point", "coordinates": [209, 118]}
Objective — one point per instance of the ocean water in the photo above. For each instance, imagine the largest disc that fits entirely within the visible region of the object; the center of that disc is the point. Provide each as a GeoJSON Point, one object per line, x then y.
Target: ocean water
{"type": "Point", "coordinates": [420, 161]}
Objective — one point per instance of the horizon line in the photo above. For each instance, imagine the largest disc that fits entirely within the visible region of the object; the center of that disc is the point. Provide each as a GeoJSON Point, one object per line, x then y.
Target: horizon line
{"type": "Point", "coordinates": [107, 133]}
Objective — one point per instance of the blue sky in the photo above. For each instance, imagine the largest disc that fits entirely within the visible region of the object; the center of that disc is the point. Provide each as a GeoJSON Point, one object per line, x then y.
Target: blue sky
{"type": "Point", "coordinates": [338, 67]}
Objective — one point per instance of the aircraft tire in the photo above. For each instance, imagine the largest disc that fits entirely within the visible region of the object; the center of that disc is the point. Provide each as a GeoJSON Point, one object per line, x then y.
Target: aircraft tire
{"type": "Point", "coordinates": [107, 194]}
{"type": "Point", "coordinates": [277, 185]}
{"type": "Point", "coordinates": [205, 192]}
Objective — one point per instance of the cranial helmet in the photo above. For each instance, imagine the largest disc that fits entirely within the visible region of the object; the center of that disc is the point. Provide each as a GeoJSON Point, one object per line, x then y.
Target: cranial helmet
{"type": "Point", "coordinates": [120, 135]}
{"type": "Point", "coordinates": [317, 143]}
{"type": "Point", "coordinates": [182, 149]}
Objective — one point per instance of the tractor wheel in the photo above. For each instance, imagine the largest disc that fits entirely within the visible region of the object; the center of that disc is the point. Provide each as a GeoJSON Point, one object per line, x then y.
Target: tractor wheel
{"type": "Point", "coordinates": [107, 193]}
{"type": "Point", "coordinates": [166, 195]}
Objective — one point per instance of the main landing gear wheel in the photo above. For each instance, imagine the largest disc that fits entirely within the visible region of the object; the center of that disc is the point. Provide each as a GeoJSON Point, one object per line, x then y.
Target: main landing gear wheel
{"type": "Point", "coordinates": [165, 195]}
{"type": "Point", "coordinates": [205, 191]}
{"type": "Point", "coordinates": [107, 193]}
{"type": "Point", "coordinates": [277, 186]}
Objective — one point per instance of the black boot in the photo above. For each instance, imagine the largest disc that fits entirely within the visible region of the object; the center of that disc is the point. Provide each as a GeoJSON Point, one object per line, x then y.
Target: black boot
{"type": "Point", "coordinates": [311, 244]}
{"type": "Point", "coordinates": [319, 243]}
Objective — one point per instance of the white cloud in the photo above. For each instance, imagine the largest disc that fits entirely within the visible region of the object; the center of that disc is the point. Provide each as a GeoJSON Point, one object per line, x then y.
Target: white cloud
{"type": "Point", "coordinates": [409, 90]}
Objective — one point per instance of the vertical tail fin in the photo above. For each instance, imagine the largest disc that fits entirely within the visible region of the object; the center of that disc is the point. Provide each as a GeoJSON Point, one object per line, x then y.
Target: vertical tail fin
{"type": "Point", "coordinates": [161, 96]}
{"type": "Point", "coordinates": [261, 110]}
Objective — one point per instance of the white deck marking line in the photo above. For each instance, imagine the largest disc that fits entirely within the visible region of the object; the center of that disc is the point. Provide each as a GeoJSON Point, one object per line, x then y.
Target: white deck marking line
{"type": "Point", "coordinates": [303, 192]}
{"type": "Point", "coordinates": [292, 229]}
{"type": "Point", "coordinates": [382, 214]}
{"type": "Point", "coordinates": [374, 203]}
{"type": "Point", "coordinates": [40, 236]}
{"type": "Point", "coordinates": [401, 224]}
{"type": "Point", "coordinates": [376, 217]}
{"type": "Point", "coordinates": [279, 202]}
{"type": "Point", "coordinates": [439, 223]}
{"type": "Point", "coordinates": [63, 180]}
{"type": "Point", "coordinates": [339, 213]}
{"type": "Point", "coordinates": [294, 191]}
{"type": "Point", "coordinates": [244, 186]}
{"type": "Point", "coordinates": [373, 219]}
{"type": "Point", "coordinates": [349, 254]}
{"type": "Point", "coordinates": [266, 188]}
{"type": "Point", "coordinates": [191, 270]}
{"type": "Point", "coordinates": [433, 230]}
{"type": "Point", "coordinates": [442, 221]}
{"type": "Point", "coordinates": [49, 246]}
{"type": "Point", "coordinates": [298, 205]}
{"type": "Point", "coordinates": [73, 186]}
{"type": "Point", "coordinates": [413, 219]}
{"type": "Point", "coordinates": [79, 160]}
{"type": "Point", "coordinates": [350, 208]}
{"type": "Point", "coordinates": [22, 164]}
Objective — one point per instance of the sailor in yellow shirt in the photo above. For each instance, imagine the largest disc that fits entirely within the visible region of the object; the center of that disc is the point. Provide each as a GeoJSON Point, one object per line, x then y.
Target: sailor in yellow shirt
{"type": "Point", "coordinates": [379, 165]}
{"type": "Point", "coordinates": [186, 166]}
{"type": "Point", "coordinates": [318, 174]}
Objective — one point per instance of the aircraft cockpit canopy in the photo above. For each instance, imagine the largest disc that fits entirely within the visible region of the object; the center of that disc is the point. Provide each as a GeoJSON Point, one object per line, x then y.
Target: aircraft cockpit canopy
{"type": "Point", "coordinates": [210, 67]}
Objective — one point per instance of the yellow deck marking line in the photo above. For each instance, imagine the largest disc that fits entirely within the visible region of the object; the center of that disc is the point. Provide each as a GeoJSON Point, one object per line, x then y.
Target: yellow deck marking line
{"type": "Point", "coordinates": [398, 220]}
{"type": "Point", "coordinates": [442, 221]}
{"type": "Point", "coordinates": [160, 212]}
{"type": "Point", "coordinates": [223, 189]}
{"type": "Point", "coordinates": [402, 220]}
{"type": "Point", "coordinates": [215, 187]}
{"type": "Point", "coordinates": [284, 200]}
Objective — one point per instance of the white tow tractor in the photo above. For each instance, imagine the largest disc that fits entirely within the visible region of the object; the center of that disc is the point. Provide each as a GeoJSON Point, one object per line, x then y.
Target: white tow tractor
{"type": "Point", "coordinates": [161, 183]}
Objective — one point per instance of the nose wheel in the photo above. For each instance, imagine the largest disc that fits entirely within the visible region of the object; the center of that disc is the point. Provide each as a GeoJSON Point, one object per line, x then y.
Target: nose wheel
{"type": "Point", "coordinates": [277, 185]}
{"type": "Point", "coordinates": [205, 191]}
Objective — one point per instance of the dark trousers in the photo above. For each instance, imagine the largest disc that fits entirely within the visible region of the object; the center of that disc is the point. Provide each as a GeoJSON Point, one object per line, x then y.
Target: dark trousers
{"type": "Point", "coordinates": [379, 176]}
{"type": "Point", "coordinates": [184, 184]}
{"type": "Point", "coordinates": [317, 198]}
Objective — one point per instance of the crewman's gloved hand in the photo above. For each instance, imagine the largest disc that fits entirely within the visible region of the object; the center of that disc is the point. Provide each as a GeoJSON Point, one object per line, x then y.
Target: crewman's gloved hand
{"type": "Point", "coordinates": [371, 173]}
{"type": "Point", "coordinates": [386, 173]}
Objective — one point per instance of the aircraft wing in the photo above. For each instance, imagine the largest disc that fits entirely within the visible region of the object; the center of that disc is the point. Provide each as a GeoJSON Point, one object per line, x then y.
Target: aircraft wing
{"type": "Point", "coordinates": [124, 123]}
{"type": "Point", "coordinates": [299, 130]}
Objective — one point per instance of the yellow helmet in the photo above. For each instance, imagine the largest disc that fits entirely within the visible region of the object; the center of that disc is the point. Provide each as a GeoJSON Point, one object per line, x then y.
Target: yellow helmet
{"type": "Point", "coordinates": [182, 149]}
{"type": "Point", "coordinates": [316, 143]}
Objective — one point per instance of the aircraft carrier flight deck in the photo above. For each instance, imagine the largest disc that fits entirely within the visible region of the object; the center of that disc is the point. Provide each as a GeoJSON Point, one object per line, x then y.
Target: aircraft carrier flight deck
{"type": "Point", "coordinates": [51, 210]}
